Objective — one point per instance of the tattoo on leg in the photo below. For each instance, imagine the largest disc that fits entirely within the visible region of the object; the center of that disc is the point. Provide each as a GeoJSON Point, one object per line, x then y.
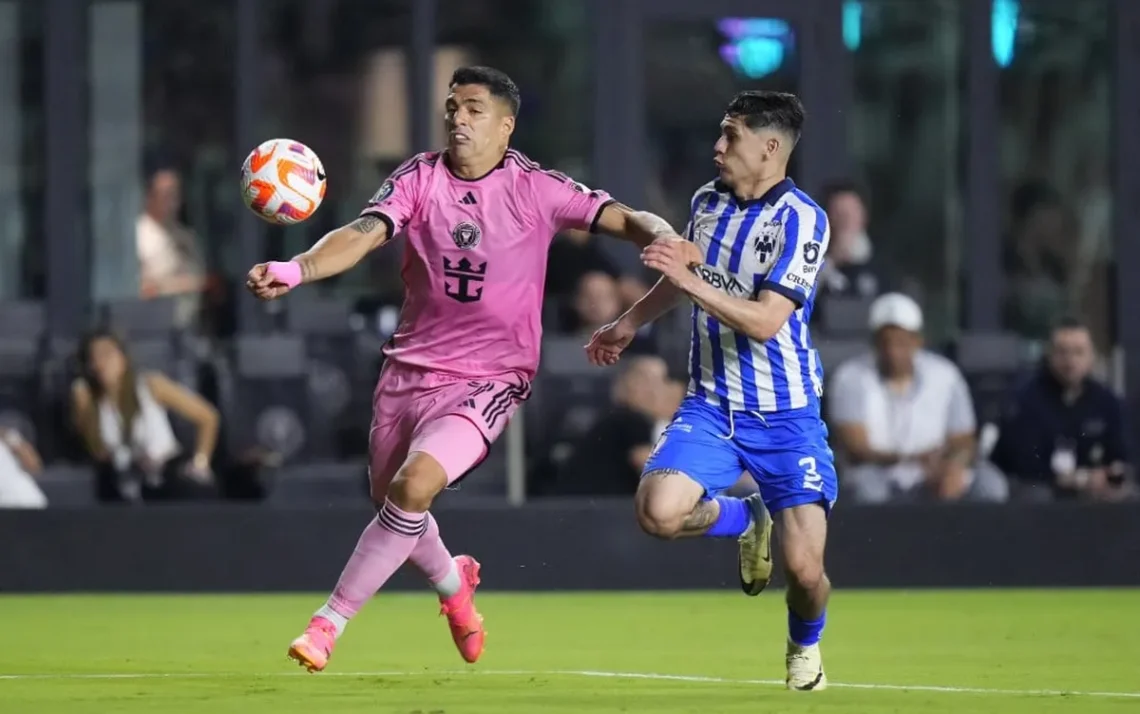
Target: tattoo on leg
{"type": "Point", "coordinates": [701, 518]}
{"type": "Point", "coordinates": [664, 472]}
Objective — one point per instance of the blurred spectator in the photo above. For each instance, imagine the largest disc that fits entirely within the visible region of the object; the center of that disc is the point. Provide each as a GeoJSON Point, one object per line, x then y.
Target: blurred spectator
{"type": "Point", "coordinates": [1039, 259]}
{"type": "Point", "coordinates": [631, 289]}
{"type": "Point", "coordinates": [1064, 433]}
{"type": "Point", "coordinates": [573, 254]}
{"type": "Point", "coordinates": [672, 395]}
{"type": "Point", "coordinates": [597, 302]}
{"type": "Point", "coordinates": [600, 300]}
{"type": "Point", "coordinates": [19, 464]}
{"type": "Point", "coordinates": [648, 340]}
{"type": "Point", "coordinates": [124, 419]}
{"type": "Point", "coordinates": [169, 259]}
{"type": "Point", "coordinates": [850, 268]}
{"type": "Point", "coordinates": [904, 418]}
{"type": "Point", "coordinates": [609, 458]}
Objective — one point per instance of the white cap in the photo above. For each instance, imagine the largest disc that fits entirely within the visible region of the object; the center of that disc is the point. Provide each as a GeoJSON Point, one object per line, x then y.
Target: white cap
{"type": "Point", "coordinates": [895, 310]}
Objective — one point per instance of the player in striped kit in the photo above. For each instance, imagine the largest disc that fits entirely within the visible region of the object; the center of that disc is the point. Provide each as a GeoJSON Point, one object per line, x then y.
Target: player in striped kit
{"type": "Point", "coordinates": [753, 248]}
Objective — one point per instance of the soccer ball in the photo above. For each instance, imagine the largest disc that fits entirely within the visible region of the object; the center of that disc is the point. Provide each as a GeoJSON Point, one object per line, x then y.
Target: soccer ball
{"type": "Point", "coordinates": [283, 181]}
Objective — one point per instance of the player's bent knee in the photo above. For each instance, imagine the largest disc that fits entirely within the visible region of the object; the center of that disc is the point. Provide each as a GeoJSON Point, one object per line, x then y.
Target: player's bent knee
{"type": "Point", "coordinates": [659, 520]}
{"type": "Point", "coordinates": [663, 501]}
{"type": "Point", "coordinates": [417, 483]}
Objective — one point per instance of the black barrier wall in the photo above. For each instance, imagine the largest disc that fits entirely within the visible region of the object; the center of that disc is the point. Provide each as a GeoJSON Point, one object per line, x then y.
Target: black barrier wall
{"type": "Point", "coordinates": [557, 546]}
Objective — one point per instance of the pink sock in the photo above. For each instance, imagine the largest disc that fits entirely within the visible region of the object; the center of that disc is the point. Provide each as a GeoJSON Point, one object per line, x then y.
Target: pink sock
{"type": "Point", "coordinates": [431, 555]}
{"type": "Point", "coordinates": [383, 547]}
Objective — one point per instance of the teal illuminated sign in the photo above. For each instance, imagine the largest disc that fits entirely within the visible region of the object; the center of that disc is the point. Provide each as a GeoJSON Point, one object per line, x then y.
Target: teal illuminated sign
{"type": "Point", "coordinates": [757, 46]}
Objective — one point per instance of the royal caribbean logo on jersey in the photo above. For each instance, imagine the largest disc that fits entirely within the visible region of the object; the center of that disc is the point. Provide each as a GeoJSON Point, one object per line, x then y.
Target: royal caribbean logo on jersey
{"type": "Point", "coordinates": [466, 235]}
{"type": "Point", "coordinates": [385, 192]}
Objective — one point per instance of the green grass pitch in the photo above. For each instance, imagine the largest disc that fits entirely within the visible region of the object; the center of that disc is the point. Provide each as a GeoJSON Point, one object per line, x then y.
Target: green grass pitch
{"type": "Point", "coordinates": [666, 653]}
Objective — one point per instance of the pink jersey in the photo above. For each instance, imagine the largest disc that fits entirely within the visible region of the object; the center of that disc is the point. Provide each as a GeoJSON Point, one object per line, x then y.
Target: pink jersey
{"type": "Point", "coordinates": [475, 263]}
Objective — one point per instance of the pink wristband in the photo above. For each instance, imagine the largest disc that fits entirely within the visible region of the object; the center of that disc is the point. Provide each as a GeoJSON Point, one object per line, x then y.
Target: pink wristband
{"type": "Point", "coordinates": [288, 273]}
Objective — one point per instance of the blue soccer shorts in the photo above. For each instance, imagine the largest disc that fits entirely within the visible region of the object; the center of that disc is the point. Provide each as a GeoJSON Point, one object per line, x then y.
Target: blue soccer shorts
{"type": "Point", "coordinates": [786, 453]}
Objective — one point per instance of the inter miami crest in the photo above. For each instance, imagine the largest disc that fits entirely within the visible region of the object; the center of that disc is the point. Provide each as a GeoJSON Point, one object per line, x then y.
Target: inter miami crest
{"type": "Point", "coordinates": [466, 235]}
{"type": "Point", "coordinates": [385, 192]}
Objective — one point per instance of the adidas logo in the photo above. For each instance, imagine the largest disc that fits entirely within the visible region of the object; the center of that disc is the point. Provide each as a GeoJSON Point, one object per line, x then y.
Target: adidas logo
{"type": "Point", "coordinates": [468, 200]}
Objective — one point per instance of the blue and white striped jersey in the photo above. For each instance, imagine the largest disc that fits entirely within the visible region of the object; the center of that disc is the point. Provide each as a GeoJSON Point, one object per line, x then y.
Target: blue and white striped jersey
{"type": "Point", "coordinates": [776, 242]}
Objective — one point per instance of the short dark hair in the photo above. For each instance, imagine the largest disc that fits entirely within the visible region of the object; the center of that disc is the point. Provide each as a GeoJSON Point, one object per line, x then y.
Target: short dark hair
{"type": "Point", "coordinates": [155, 164]}
{"type": "Point", "coordinates": [1068, 322]}
{"type": "Point", "coordinates": [837, 188]}
{"type": "Point", "coordinates": [769, 110]}
{"type": "Point", "coordinates": [497, 83]}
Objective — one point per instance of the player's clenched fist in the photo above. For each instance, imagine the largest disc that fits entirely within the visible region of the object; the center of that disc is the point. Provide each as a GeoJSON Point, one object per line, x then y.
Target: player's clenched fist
{"type": "Point", "coordinates": [672, 257]}
{"type": "Point", "coordinates": [270, 281]}
{"type": "Point", "coordinates": [606, 345]}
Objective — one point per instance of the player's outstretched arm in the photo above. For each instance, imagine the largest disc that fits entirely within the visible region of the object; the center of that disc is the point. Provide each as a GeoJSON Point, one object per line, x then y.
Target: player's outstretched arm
{"type": "Point", "coordinates": [336, 252]}
{"type": "Point", "coordinates": [343, 248]}
{"type": "Point", "coordinates": [639, 227]}
{"type": "Point", "coordinates": [788, 285]}
{"type": "Point", "coordinates": [607, 344]}
{"type": "Point", "coordinates": [658, 300]}
{"type": "Point", "coordinates": [760, 319]}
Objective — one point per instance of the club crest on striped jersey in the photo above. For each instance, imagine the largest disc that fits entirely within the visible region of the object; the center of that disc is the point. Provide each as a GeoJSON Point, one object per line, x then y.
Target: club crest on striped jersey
{"type": "Point", "coordinates": [466, 235]}
{"type": "Point", "coordinates": [385, 192]}
{"type": "Point", "coordinates": [766, 240]}
{"type": "Point", "coordinates": [765, 247]}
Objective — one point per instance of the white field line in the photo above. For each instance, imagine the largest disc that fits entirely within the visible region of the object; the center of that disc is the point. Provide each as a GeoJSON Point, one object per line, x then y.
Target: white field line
{"type": "Point", "coordinates": [573, 673]}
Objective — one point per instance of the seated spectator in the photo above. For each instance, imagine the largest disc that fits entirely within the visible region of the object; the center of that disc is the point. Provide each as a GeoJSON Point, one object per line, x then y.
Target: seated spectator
{"type": "Point", "coordinates": [631, 289]}
{"type": "Point", "coordinates": [850, 268]}
{"type": "Point", "coordinates": [1039, 257]}
{"type": "Point", "coordinates": [598, 302]}
{"type": "Point", "coordinates": [574, 254]}
{"type": "Point", "coordinates": [608, 460]}
{"type": "Point", "coordinates": [1063, 434]}
{"type": "Point", "coordinates": [169, 259]}
{"type": "Point", "coordinates": [124, 419]}
{"type": "Point", "coordinates": [19, 464]}
{"type": "Point", "coordinates": [904, 419]}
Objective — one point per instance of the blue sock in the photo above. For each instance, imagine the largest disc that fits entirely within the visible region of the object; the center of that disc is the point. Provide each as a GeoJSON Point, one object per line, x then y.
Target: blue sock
{"type": "Point", "coordinates": [734, 518]}
{"type": "Point", "coordinates": [805, 632]}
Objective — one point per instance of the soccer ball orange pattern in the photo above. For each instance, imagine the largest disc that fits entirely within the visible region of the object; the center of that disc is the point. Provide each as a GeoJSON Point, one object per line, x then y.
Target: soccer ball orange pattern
{"type": "Point", "coordinates": [283, 181]}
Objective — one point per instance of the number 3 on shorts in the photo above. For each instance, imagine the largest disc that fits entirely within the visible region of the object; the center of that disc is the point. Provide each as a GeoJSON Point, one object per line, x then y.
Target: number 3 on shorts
{"type": "Point", "coordinates": [812, 478]}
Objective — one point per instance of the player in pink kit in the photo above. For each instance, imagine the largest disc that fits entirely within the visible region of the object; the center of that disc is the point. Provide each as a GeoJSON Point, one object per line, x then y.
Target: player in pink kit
{"type": "Point", "coordinates": [479, 219]}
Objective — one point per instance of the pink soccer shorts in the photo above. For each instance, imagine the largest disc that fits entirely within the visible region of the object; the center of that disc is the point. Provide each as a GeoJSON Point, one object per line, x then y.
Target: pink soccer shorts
{"type": "Point", "coordinates": [453, 419]}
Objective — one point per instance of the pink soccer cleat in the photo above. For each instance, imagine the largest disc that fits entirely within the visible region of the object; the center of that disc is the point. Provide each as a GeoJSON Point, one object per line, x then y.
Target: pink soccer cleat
{"type": "Point", "coordinates": [313, 648]}
{"type": "Point", "coordinates": [465, 622]}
